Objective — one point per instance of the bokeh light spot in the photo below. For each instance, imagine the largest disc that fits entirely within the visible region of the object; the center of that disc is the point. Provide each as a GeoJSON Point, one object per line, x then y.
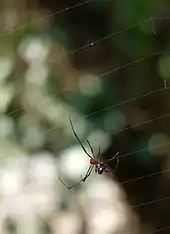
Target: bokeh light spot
{"type": "Point", "coordinates": [114, 121]}
{"type": "Point", "coordinates": [90, 85]}
{"type": "Point", "coordinates": [164, 67]}
{"type": "Point", "coordinates": [74, 162]}
{"type": "Point", "coordinates": [34, 50]}
{"type": "Point", "coordinates": [6, 64]}
{"type": "Point", "coordinates": [159, 144]}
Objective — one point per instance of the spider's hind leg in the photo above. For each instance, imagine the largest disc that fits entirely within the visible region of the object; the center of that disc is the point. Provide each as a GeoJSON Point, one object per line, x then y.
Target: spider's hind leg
{"type": "Point", "coordinates": [89, 171]}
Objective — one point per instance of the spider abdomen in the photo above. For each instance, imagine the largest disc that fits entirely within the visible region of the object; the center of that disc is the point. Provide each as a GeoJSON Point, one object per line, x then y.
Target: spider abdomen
{"type": "Point", "coordinates": [100, 168]}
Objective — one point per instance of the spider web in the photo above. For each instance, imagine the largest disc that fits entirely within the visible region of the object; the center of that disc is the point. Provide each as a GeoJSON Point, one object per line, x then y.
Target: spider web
{"type": "Point", "coordinates": [164, 88]}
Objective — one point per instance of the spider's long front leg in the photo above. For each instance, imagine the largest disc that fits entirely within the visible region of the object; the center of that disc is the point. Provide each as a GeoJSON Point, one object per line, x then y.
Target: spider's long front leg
{"type": "Point", "coordinates": [91, 148]}
{"type": "Point", "coordinates": [98, 153]}
{"type": "Point", "coordinates": [75, 134]}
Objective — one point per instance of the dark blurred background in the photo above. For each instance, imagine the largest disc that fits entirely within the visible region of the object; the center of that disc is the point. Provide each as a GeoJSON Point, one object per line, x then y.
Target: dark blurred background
{"type": "Point", "coordinates": [107, 65]}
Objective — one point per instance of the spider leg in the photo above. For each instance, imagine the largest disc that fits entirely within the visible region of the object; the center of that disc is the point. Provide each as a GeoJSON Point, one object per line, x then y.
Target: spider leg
{"type": "Point", "coordinates": [62, 182]}
{"type": "Point", "coordinates": [75, 134]}
{"type": "Point", "coordinates": [88, 173]}
{"type": "Point", "coordinates": [114, 157]}
{"type": "Point", "coordinates": [117, 163]}
{"type": "Point", "coordinates": [82, 179]}
{"type": "Point", "coordinates": [109, 170]}
{"type": "Point", "coordinates": [98, 153]}
{"type": "Point", "coordinates": [91, 148]}
{"type": "Point", "coordinates": [70, 186]}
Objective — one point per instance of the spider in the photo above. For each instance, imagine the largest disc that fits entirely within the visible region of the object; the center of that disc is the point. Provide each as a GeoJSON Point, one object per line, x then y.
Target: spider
{"type": "Point", "coordinates": [100, 166]}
